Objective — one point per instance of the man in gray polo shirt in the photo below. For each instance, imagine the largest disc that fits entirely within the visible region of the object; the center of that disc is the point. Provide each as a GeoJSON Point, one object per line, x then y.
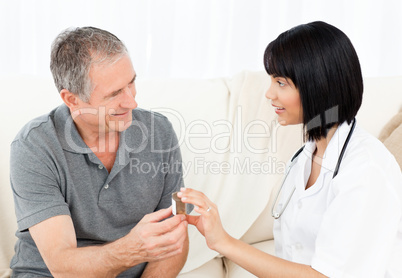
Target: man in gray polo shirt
{"type": "Point", "coordinates": [93, 179]}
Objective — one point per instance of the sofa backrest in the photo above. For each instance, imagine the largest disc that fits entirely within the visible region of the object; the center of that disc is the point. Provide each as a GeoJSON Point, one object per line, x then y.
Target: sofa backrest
{"type": "Point", "coordinates": [382, 99]}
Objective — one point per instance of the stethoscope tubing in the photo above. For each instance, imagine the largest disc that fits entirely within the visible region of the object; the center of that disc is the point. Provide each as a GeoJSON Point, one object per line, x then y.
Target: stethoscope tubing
{"type": "Point", "coordinates": [275, 214]}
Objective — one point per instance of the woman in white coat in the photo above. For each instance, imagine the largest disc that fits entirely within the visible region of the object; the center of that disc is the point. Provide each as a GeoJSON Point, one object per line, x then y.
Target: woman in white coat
{"type": "Point", "coordinates": [340, 209]}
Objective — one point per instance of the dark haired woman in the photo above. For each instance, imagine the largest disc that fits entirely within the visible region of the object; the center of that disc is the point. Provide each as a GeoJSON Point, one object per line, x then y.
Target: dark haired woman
{"type": "Point", "coordinates": [339, 213]}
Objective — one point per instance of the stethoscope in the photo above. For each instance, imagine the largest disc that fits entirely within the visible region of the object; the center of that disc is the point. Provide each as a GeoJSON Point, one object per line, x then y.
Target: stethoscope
{"type": "Point", "coordinates": [276, 214]}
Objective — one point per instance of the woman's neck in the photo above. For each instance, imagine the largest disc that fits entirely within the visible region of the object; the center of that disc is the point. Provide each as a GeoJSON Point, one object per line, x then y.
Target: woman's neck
{"type": "Point", "coordinates": [318, 155]}
{"type": "Point", "coordinates": [321, 144]}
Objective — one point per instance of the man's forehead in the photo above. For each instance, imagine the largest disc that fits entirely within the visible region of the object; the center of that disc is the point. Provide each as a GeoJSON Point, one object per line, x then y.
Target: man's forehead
{"type": "Point", "coordinates": [105, 60]}
{"type": "Point", "coordinates": [109, 78]}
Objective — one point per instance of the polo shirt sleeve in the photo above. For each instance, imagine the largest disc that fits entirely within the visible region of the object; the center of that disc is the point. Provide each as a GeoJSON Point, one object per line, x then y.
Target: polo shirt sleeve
{"type": "Point", "coordinates": [361, 223]}
{"type": "Point", "coordinates": [35, 186]}
{"type": "Point", "coordinates": [174, 172]}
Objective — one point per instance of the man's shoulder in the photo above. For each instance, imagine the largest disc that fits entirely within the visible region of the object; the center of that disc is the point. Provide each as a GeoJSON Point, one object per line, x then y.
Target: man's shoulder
{"type": "Point", "coordinates": [37, 127]}
{"type": "Point", "coordinates": [151, 119]}
{"type": "Point", "coordinates": [151, 126]}
{"type": "Point", "coordinates": [144, 113]}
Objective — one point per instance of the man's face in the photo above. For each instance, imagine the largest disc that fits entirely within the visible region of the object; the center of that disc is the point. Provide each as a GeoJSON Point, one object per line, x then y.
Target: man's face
{"type": "Point", "coordinates": [112, 99]}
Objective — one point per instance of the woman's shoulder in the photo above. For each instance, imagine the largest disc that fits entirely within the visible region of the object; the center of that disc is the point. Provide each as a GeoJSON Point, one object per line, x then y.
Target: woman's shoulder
{"type": "Point", "coordinates": [366, 155]}
{"type": "Point", "coordinates": [366, 144]}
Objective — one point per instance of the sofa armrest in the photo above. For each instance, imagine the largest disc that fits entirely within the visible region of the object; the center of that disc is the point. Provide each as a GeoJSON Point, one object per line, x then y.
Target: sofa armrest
{"type": "Point", "coordinates": [5, 273]}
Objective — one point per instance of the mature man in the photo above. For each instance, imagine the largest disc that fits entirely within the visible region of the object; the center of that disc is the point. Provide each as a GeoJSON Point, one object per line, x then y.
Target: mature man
{"type": "Point", "coordinates": [82, 210]}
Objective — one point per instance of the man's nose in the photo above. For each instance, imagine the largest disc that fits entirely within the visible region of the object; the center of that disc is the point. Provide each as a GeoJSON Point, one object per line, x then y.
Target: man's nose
{"type": "Point", "coordinates": [129, 99]}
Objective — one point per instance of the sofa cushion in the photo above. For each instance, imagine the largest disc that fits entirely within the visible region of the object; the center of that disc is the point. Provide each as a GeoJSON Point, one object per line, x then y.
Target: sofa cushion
{"type": "Point", "coordinates": [213, 268]}
{"type": "Point", "coordinates": [261, 230]}
{"type": "Point", "coordinates": [235, 271]}
{"type": "Point", "coordinates": [391, 136]}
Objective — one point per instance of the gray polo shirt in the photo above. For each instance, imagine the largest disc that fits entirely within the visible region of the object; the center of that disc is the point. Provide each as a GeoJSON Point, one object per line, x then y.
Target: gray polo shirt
{"type": "Point", "coordinates": [53, 172]}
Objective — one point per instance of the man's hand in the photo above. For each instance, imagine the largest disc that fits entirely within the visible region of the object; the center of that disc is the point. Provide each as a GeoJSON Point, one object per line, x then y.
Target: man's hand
{"type": "Point", "coordinates": [153, 240]}
{"type": "Point", "coordinates": [150, 240]}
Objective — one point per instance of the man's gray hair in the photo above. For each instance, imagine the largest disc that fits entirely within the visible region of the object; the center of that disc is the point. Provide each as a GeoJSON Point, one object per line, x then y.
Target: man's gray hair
{"type": "Point", "coordinates": [75, 51]}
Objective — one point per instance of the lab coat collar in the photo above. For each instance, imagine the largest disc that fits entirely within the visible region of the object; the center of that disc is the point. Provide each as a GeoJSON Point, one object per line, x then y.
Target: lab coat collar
{"type": "Point", "coordinates": [329, 161]}
{"type": "Point", "coordinates": [334, 148]}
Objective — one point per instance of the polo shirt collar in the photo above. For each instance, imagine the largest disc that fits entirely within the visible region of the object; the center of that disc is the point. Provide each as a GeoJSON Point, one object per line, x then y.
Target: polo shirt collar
{"type": "Point", "coordinates": [132, 140]}
{"type": "Point", "coordinates": [69, 137]}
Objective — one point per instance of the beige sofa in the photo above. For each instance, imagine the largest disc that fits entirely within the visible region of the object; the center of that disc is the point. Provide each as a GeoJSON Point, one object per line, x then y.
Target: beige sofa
{"type": "Point", "coordinates": [232, 147]}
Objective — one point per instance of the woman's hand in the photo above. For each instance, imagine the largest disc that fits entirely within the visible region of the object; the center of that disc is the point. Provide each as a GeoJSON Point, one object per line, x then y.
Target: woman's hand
{"type": "Point", "coordinates": [208, 223]}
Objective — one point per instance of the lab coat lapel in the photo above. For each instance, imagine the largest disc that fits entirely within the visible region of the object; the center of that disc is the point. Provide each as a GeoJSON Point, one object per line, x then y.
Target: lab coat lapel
{"type": "Point", "coordinates": [329, 162]}
{"type": "Point", "coordinates": [334, 149]}
{"type": "Point", "coordinates": [304, 165]}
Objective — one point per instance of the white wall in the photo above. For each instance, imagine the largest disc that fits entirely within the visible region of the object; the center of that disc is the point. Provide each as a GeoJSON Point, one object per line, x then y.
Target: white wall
{"type": "Point", "coordinates": [197, 38]}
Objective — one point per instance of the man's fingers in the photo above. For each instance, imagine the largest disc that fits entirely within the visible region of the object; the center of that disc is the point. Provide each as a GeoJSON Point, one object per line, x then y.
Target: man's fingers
{"type": "Point", "coordinates": [168, 225]}
{"type": "Point", "coordinates": [155, 225]}
{"type": "Point", "coordinates": [168, 242]}
{"type": "Point", "coordinates": [159, 215]}
{"type": "Point", "coordinates": [160, 239]}
{"type": "Point", "coordinates": [171, 250]}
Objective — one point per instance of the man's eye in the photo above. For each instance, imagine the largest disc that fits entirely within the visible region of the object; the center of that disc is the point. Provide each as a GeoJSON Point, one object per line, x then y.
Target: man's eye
{"type": "Point", "coordinates": [115, 94]}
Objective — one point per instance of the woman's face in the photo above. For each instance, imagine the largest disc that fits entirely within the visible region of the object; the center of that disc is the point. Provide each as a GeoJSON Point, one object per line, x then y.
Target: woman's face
{"type": "Point", "coordinates": [286, 100]}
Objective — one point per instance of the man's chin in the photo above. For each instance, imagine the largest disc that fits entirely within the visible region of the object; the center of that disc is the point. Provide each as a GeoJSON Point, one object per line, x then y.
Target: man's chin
{"type": "Point", "coordinates": [120, 126]}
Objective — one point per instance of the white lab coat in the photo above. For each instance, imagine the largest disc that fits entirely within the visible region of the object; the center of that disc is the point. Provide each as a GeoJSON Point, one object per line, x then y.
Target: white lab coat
{"type": "Point", "coordinates": [349, 226]}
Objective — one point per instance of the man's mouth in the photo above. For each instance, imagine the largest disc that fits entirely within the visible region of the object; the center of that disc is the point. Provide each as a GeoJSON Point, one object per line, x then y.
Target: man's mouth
{"type": "Point", "coordinates": [119, 114]}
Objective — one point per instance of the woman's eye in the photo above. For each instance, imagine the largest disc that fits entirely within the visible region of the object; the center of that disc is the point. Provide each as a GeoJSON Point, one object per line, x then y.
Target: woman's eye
{"type": "Point", "coordinates": [281, 84]}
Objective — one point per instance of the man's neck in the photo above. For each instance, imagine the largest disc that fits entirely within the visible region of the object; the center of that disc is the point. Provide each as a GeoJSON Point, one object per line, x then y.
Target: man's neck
{"type": "Point", "coordinates": [98, 141]}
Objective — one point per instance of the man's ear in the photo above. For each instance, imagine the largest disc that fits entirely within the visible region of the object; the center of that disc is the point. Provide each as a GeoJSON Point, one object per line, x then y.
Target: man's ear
{"type": "Point", "coordinates": [70, 99]}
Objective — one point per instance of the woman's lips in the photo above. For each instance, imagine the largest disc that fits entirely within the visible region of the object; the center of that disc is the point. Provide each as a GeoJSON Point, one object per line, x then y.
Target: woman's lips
{"type": "Point", "coordinates": [278, 110]}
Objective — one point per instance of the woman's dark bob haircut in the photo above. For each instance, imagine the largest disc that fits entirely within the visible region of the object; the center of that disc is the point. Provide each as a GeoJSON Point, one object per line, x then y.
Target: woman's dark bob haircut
{"type": "Point", "coordinates": [323, 64]}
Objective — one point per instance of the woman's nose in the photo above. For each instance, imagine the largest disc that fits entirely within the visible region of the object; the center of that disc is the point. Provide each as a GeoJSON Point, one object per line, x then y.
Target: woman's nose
{"type": "Point", "coordinates": [270, 94]}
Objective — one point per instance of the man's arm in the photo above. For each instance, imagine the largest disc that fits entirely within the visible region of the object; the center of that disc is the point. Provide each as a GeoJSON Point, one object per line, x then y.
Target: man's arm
{"type": "Point", "coordinates": [167, 268]}
{"type": "Point", "coordinates": [149, 241]}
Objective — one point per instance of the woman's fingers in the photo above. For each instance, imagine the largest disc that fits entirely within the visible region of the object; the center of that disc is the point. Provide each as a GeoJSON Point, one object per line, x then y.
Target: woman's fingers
{"type": "Point", "coordinates": [193, 219]}
{"type": "Point", "coordinates": [208, 222]}
{"type": "Point", "coordinates": [196, 198]}
{"type": "Point", "coordinates": [197, 222]}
